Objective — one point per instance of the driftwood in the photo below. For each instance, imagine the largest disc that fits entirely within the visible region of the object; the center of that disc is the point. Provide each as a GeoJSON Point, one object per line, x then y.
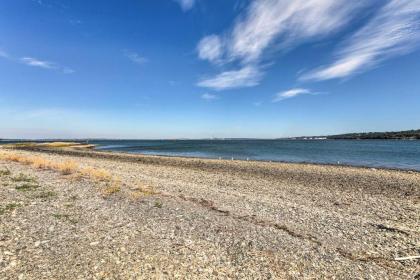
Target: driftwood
{"type": "Point", "coordinates": [407, 258]}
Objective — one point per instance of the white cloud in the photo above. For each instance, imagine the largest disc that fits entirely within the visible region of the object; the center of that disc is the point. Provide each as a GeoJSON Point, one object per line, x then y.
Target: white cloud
{"type": "Point", "coordinates": [210, 48]}
{"type": "Point", "coordinates": [393, 31]}
{"type": "Point", "coordinates": [265, 22]}
{"type": "Point", "coordinates": [247, 76]}
{"type": "Point", "coordinates": [186, 4]}
{"type": "Point", "coordinates": [135, 57]}
{"type": "Point", "coordinates": [34, 62]}
{"type": "Point", "coordinates": [290, 94]}
{"type": "Point", "coordinates": [209, 96]}
{"type": "Point", "coordinates": [30, 61]}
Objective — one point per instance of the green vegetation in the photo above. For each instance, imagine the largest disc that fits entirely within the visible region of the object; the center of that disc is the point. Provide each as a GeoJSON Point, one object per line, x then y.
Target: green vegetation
{"type": "Point", "coordinates": [61, 216]}
{"type": "Point", "coordinates": [408, 134]}
{"type": "Point", "coordinates": [23, 178]}
{"type": "Point", "coordinates": [47, 194]}
{"type": "Point", "coordinates": [5, 172]}
{"type": "Point", "coordinates": [8, 207]}
{"type": "Point", "coordinates": [158, 204]}
{"type": "Point", "coordinates": [65, 217]}
{"type": "Point", "coordinates": [27, 187]}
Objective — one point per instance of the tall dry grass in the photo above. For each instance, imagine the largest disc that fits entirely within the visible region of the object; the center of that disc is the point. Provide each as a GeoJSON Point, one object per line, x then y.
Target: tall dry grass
{"type": "Point", "coordinates": [64, 167]}
{"type": "Point", "coordinates": [96, 173]}
{"type": "Point", "coordinates": [69, 167]}
{"type": "Point", "coordinates": [112, 187]}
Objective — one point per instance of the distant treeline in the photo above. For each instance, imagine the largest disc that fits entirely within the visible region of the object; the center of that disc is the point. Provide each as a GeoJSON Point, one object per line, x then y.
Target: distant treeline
{"type": "Point", "coordinates": [408, 134]}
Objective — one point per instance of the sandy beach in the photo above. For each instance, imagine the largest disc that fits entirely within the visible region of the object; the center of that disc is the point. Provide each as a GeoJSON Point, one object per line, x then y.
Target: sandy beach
{"type": "Point", "coordinates": [209, 219]}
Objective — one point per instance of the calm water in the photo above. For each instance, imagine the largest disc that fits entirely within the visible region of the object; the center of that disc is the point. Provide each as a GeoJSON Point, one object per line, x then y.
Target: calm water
{"type": "Point", "coordinates": [402, 154]}
{"type": "Point", "coordinates": [375, 153]}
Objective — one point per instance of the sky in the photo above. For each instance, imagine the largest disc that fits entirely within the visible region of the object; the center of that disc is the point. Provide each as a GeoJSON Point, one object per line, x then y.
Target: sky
{"type": "Point", "coordinates": [143, 69]}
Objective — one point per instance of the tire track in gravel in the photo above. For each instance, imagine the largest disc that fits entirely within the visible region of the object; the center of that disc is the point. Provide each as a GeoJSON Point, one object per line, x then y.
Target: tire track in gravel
{"type": "Point", "coordinates": [209, 205]}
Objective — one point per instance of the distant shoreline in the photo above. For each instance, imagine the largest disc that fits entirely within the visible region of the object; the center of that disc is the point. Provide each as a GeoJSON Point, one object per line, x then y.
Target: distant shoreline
{"type": "Point", "coordinates": [388, 135]}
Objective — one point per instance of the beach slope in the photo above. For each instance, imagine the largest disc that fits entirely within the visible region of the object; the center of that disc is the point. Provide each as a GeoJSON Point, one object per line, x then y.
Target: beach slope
{"type": "Point", "coordinates": [78, 214]}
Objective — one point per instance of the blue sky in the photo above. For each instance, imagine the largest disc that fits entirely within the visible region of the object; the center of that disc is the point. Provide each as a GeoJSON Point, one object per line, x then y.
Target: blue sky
{"type": "Point", "coordinates": [207, 68]}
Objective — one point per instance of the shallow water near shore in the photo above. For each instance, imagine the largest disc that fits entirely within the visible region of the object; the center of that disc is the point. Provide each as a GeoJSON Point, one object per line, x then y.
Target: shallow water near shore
{"type": "Point", "coordinates": [401, 154]}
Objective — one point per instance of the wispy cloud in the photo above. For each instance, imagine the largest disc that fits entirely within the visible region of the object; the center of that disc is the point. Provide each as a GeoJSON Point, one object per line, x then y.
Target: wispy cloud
{"type": "Point", "coordinates": [393, 31]}
{"type": "Point", "coordinates": [247, 76]}
{"type": "Point", "coordinates": [30, 61]}
{"type": "Point", "coordinates": [209, 96]}
{"type": "Point", "coordinates": [265, 22]}
{"type": "Point", "coordinates": [34, 62]}
{"type": "Point", "coordinates": [135, 57]}
{"type": "Point", "coordinates": [186, 4]}
{"type": "Point", "coordinates": [290, 94]}
{"type": "Point", "coordinates": [210, 48]}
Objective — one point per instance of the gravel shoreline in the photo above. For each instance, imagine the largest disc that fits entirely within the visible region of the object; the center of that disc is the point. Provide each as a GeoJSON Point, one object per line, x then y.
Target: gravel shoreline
{"type": "Point", "coordinates": [211, 219]}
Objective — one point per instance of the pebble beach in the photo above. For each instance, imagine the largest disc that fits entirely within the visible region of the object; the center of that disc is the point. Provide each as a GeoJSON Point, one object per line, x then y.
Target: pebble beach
{"type": "Point", "coordinates": [205, 219]}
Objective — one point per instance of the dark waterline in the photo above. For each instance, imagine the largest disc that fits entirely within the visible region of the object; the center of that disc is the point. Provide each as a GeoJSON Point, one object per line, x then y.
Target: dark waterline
{"type": "Point", "coordinates": [399, 154]}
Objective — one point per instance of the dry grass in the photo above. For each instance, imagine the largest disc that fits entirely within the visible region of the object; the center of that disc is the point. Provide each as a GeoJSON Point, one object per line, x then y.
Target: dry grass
{"type": "Point", "coordinates": [66, 167]}
{"type": "Point", "coordinates": [20, 145]}
{"type": "Point", "coordinates": [141, 191]}
{"type": "Point", "coordinates": [95, 173]}
{"type": "Point", "coordinates": [40, 163]}
{"type": "Point", "coordinates": [69, 167]}
{"type": "Point", "coordinates": [86, 146]}
{"type": "Point", "coordinates": [58, 144]}
{"type": "Point", "coordinates": [10, 157]}
{"type": "Point", "coordinates": [112, 187]}
{"type": "Point", "coordinates": [48, 145]}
